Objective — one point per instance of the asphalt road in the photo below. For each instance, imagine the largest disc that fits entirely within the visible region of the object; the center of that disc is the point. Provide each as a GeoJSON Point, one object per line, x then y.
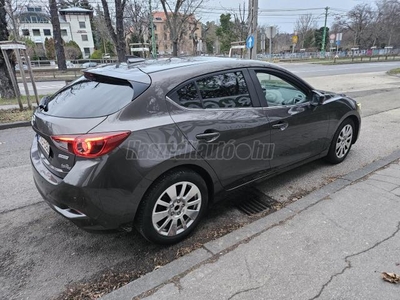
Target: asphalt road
{"type": "Point", "coordinates": [302, 69]}
{"type": "Point", "coordinates": [41, 253]}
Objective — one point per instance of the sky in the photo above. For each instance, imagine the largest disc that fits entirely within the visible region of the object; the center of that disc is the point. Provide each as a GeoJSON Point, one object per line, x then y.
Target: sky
{"type": "Point", "coordinates": [273, 13]}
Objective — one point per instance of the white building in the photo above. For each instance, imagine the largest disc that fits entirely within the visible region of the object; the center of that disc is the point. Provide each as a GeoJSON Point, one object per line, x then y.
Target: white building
{"type": "Point", "coordinates": [74, 22]}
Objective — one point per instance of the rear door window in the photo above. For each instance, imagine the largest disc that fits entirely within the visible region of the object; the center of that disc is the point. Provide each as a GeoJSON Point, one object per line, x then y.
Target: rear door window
{"type": "Point", "coordinates": [87, 98]}
{"type": "Point", "coordinates": [226, 90]}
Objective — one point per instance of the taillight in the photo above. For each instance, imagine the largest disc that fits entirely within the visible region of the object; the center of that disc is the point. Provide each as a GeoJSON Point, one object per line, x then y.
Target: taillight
{"type": "Point", "coordinates": [92, 144]}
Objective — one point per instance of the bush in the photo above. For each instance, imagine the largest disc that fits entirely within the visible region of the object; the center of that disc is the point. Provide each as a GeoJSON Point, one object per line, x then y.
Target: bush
{"type": "Point", "coordinates": [97, 54]}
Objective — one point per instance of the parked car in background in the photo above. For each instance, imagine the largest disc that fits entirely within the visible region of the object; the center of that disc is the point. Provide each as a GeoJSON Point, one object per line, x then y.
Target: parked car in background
{"type": "Point", "coordinates": [17, 68]}
{"type": "Point", "coordinates": [89, 64]}
{"type": "Point", "coordinates": [151, 144]}
{"type": "Point", "coordinates": [70, 64]}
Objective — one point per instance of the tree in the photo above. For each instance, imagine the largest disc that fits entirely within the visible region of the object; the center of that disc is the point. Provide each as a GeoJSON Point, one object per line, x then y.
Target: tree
{"type": "Point", "coordinates": [117, 35]}
{"type": "Point", "coordinates": [225, 32]}
{"type": "Point", "coordinates": [50, 49]}
{"type": "Point", "coordinates": [58, 43]}
{"type": "Point", "coordinates": [11, 9]}
{"type": "Point", "coordinates": [6, 88]}
{"type": "Point", "coordinates": [177, 14]}
{"type": "Point", "coordinates": [388, 22]}
{"type": "Point", "coordinates": [318, 36]}
{"type": "Point", "coordinates": [137, 20]}
{"type": "Point", "coordinates": [72, 50]}
{"type": "Point", "coordinates": [305, 27]}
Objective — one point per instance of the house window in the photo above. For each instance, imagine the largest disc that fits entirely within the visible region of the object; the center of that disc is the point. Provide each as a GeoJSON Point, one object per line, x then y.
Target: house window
{"type": "Point", "coordinates": [36, 32]}
{"type": "Point", "coordinates": [46, 32]}
{"type": "Point", "coordinates": [87, 52]}
{"type": "Point", "coordinates": [25, 32]}
{"type": "Point", "coordinates": [34, 19]}
{"type": "Point", "coordinates": [165, 36]}
{"type": "Point", "coordinates": [84, 37]}
{"type": "Point", "coordinates": [64, 32]}
{"type": "Point", "coordinates": [155, 27]}
{"type": "Point", "coordinates": [159, 19]}
{"type": "Point", "coordinates": [82, 25]}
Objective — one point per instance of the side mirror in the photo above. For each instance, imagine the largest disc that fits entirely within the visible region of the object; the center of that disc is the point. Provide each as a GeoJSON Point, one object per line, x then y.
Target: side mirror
{"type": "Point", "coordinates": [317, 98]}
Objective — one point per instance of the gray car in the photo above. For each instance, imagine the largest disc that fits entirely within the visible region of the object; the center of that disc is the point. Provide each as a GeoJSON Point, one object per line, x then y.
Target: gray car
{"type": "Point", "coordinates": [154, 144]}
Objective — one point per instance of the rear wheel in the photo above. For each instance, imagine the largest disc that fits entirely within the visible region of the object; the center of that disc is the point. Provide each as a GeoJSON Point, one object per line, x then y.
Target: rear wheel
{"type": "Point", "coordinates": [172, 207]}
{"type": "Point", "coordinates": [341, 143]}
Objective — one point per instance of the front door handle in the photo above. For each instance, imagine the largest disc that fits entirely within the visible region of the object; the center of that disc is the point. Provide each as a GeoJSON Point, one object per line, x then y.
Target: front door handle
{"type": "Point", "coordinates": [280, 125]}
{"type": "Point", "coordinates": [208, 136]}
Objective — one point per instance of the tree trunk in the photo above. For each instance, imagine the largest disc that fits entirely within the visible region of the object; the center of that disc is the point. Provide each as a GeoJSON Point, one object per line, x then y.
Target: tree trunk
{"type": "Point", "coordinates": [117, 35]}
{"type": "Point", "coordinates": [6, 87]}
{"type": "Point", "coordinates": [58, 42]}
{"type": "Point", "coordinates": [175, 48]}
{"type": "Point", "coordinates": [121, 44]}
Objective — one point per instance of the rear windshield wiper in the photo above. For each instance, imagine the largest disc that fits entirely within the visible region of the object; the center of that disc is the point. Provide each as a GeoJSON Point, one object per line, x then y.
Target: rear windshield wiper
{"type": "Point", "coordinates": [44, 102]}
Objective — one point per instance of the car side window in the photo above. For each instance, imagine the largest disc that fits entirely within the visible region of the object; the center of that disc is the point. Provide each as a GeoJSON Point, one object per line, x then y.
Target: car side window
{"type": "Point", "coordinates": [187, 96]}
{"type": "Point", "coordinates": [228, 90]}
{"type": "Point", "coordinates": [278, 92]}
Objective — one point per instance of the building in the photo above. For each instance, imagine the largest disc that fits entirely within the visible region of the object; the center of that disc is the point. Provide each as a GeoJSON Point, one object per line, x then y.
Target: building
{"type": "Point", "coordinates": [34, 23]}
{"type": "Point", "coordinates": [186, 46]}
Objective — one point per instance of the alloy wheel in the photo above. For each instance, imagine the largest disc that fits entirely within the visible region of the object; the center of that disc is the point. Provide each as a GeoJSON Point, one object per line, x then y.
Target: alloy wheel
{"type": "Point", "coordinates": [344, 140]}
{"type": "Point", "coordinates": [177, 208]}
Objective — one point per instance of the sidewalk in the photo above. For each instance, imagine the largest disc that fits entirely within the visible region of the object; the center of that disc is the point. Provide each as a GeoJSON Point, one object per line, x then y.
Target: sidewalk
{"type": "Point", "coordinates": [332, 244]}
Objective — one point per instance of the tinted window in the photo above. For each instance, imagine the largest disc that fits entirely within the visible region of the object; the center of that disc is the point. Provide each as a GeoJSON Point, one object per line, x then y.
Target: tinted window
{"type": "Point", "coordinates": [90, 99]}
{"type": "Point", "coordinates": [187, 96]}
{"type": "Point", "coordinates": [227, 90]}
{"type": "Point", "coordinates": [279, 92]}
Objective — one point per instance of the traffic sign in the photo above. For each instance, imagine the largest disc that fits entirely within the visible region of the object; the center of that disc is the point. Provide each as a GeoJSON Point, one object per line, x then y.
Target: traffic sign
{"type": "Point", "coordinates": [250, 42]}
{"type": "Point", "coordinates": [332, 36]}
{"type": "Point", "coordinates": [295, 39]}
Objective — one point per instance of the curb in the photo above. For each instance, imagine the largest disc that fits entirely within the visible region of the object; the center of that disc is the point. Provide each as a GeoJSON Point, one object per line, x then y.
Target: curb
{"type": "Point", "coordinates": [15, 125]}
{"type": "Point", "coordinates": [213, 249]}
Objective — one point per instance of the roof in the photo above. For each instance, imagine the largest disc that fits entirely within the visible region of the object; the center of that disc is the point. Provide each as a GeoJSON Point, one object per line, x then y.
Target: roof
{"type": "Point", "coordinates": [153, 66]}
{"type": "Point", "coordinates": [191, 65]}
{"type": "Point", "coordinates": [75, 10]}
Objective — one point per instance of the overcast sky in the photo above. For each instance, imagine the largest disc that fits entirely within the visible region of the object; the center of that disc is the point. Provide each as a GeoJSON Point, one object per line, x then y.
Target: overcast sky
{"type": "Point", "coordinates": [268, 14]}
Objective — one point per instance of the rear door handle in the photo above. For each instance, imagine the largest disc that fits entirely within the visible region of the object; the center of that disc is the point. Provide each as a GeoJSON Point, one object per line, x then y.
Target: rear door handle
{"type": "Point", "coordinates": [280, 125]}
{"type": "Point", "coordinates": [208, 136]}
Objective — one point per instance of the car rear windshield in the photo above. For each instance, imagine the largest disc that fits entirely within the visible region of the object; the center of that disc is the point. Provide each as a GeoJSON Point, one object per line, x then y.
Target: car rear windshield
{"type": "Point", "coordinates": [91, 98]}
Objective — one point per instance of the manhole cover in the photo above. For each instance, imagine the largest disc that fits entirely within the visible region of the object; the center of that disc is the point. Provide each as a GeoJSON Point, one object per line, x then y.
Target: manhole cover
{"type": "Point", "coordinates": [251, 201]}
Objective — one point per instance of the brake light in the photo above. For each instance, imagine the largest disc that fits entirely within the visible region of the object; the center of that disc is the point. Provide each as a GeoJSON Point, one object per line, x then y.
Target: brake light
{"type": "Point", "coordinates": [92, 144]}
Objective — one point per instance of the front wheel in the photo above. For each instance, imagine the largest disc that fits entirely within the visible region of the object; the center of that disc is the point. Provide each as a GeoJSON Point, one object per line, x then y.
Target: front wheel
{"type": "Point", "coordinates": [341, 143]}
{"type": "Point", "coordinates": [172, 207]}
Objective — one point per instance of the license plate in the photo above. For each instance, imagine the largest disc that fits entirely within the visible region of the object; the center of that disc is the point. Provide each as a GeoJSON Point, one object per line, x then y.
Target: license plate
{"type": "Point", "coordinates": [45, 145]}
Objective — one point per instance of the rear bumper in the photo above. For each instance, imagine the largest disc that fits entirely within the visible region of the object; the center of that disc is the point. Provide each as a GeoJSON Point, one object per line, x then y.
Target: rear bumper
{"type": "Point", "coordinates": [84, 196]}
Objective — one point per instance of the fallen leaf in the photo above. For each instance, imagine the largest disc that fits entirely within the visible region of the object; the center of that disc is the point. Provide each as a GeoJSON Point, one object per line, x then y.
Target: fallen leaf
{"type": "Point", "coordinates": [391, 277]}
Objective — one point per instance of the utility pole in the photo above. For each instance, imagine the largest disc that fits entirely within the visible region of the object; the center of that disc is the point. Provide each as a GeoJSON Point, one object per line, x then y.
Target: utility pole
{"type": "Point", "coordinates": [253, 17]}
{"type": "Point", "coordinates": [153, 38]}
{"type": "Point", "coordinates": [324, 34]}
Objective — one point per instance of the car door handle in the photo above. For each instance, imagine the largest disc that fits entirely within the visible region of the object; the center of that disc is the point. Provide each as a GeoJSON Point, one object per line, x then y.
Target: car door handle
{"type": "Point", "coordinates": [280, 125]}
{"type": "Point", "coordinates": [208, 136]}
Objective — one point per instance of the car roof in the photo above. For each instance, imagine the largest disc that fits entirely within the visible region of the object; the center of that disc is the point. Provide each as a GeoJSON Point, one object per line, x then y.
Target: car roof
{"type": "Point", "coordinates": [142, 71]}
{"type": "Point", "coordinates": [160, 65]}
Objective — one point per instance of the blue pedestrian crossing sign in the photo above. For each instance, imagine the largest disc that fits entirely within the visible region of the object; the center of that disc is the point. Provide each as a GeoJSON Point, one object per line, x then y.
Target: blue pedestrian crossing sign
{"type": "Point", "coordinates": [250, 42]}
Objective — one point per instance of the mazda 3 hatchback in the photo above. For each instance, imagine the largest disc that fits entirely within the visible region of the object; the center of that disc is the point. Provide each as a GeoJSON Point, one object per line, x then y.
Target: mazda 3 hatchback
{"type": "Point", "coordinates": [152, 144]}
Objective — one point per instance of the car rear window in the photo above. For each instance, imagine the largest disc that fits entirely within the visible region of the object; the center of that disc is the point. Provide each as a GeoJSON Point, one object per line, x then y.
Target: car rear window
{"type": "Point", "coordinates": [90, 98]}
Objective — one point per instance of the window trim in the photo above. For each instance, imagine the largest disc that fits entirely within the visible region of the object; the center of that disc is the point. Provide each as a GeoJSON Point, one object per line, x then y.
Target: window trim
{"type": "Point", "coordinates": [249, 82]}
{"type": "Point", "coordinates": [296, 82]}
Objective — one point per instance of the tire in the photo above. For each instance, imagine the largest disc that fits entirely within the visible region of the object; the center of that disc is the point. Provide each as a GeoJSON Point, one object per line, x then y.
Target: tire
{"type": "Point", "coordinates": [172, 207]}
{"type": "Point", "coordinates": [341, 142]}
